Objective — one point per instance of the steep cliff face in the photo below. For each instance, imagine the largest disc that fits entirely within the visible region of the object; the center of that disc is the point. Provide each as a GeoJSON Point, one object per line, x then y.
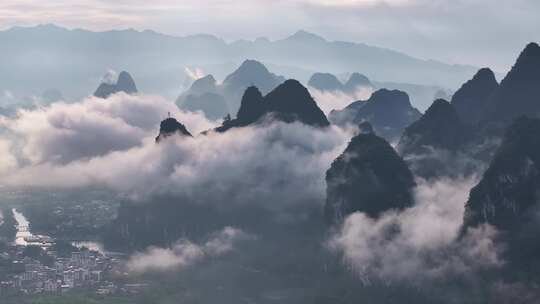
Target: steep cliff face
{"type": "Point", "coordinates": [510, 188]}
{"type": "Point", "coordinates": [289, 102]}
{"type": "Point", "coordinates": [519, 91]}
{"type": "Point", "coordinates": [252, 106]}
{"type": "Point", "coordinates": [439, 128]}
{"type": "Point", "coordinates": [508, 196]}
{"type": "Point", "coordinates": [435, 145]}
{"type": "Point", "coordinates": [472, 100]}
{"type": "Point", "coordinates": [368, 177]}
{"type": "Point", "coordinates": [169, 127]}
{"type": "Point", "coordinates": [389, 112]}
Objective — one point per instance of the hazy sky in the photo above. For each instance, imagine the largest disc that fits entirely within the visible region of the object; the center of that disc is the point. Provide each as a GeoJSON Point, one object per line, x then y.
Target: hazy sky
{"type": "Point", "coordinates": [480, 32]}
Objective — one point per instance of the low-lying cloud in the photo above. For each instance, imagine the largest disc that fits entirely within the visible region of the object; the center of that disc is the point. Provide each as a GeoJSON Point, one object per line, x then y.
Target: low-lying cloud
{"type": "Point", "coordinates": [110, 143]}
{"type": "Point", "coordinates": [420, 242]}
{"type": "Point", "coordinates": [185, 253]}
{"type": "Point", "coordinates": [338, 100]}
{"type": "Point", "coordinates": [66, 132]}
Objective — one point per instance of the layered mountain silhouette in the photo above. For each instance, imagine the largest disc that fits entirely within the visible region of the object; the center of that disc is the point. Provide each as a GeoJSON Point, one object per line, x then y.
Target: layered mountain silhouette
{"type": "Point", "coordinates": [508, 195]}
{"type": "Point", "coordinates": [368, 177]}
{"type": "Point", "coordinates": [519, 91]}
{"type": "Point", "coordinates": [156, 59]}
{"type": "Point", "coordinates": [218, 100]}
{"type": "Point", "coordinates": [169, 127]}
{"type": "Point", "coordinates": [389, 112]}
{"type": "Point", "coordinates": [439, 128]}
{"type": "Point", "coordinates": [472, 100]}
{"type": "Point", "coordinates": [289, 102]}
{"type": "Point", "coordinates": [125, 83]}
{"type": "Point", "coordinates": [204, 95]}
{"type": "Point", "coordinates": [431, 143]}
{"type": "Point", "coordinates": [327, 82]}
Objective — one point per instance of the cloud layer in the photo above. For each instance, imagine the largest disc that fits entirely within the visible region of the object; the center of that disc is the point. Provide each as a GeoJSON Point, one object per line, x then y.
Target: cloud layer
{"type": "Point", "coordinates": [111, 143]}
{"type": "Point", "coordinates": [185, 253]}
{"type": "Point", "coordinates": [421, 242]}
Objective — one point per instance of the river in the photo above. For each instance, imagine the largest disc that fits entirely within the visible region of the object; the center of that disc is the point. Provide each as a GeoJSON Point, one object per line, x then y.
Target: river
{"type": "Point", "coordinates": [24, 237]}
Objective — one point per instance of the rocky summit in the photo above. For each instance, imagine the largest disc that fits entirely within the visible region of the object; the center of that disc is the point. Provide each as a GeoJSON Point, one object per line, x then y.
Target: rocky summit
{"type": "Point", "coordinates": [474, 97]}
{"type": "Point", "coordinates": [169, 127]}
{"type": "Point", "coordinates": [388, 111]}
{"type": "Point", "coordinates": [369, 177]}
{"type": "Point", "coordinates": [125, 83]}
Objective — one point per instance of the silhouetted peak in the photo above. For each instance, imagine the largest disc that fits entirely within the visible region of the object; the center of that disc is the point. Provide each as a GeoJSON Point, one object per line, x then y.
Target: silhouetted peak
{"type": "Point", "coordinates": [369, 177]}
{"type": "Point", "coordinates": [440, 114]}
{"type": "Point", "coordinates": [205, 84]}
{"type": "Point", "coordinates": [532, 49]}
{"type": "Point", "coordinates": [471, 101]}
{"type": "Point", "coordinates": [305, 36]}
{"type": "Point", "coordinates": [527, 60]}
{"type": "Point", "coordinates": [439, 127]}
{"type": "Point", "coordinates": [507, 196]}
{"type": "Point", "coordinates": [284, 94]}
{"type": "Point", "coordinates": [439, 107]}
{"type": "Point", "coordinates": [171, 126]}
{"type": "Point", "coordinates": [252, 66]}
{"type": "Point", "coordinates": [126, 83]}
{"type": "Point", "coordinates": [325, 82]}
{"type": "Point", "coordinates": [357, 80]}
{"type": "Point", "coordinates": [252, 105]}
{"type": "Point", "coordinates": [292, 101]}
{"type": "Point", "coordinates": [250, 72]}
{"type": "Point", "coordinates": [519, 91]}
{"type": "Point", "coordinates": [388, 111]}
{"type": "Point", "coordinates": [385, 96]}
{"type": "Point", "coordinates": [484, 74]}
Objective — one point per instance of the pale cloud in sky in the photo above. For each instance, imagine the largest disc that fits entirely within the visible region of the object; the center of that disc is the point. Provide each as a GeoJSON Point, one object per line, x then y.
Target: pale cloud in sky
{"type": "Point", "coordinates": [454, 31]}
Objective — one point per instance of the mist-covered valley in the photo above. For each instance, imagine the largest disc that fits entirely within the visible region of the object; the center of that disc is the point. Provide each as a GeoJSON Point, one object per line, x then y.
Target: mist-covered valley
{"type": "Point", "coordinates": [159, 169]}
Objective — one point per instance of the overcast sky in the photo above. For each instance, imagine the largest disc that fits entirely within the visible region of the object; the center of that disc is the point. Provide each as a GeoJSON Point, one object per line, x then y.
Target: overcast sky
{"type": "Point", "coordinates": [479, 32]}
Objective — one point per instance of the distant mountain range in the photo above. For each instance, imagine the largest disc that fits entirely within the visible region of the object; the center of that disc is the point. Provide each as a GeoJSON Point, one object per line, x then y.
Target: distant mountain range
{"type": "Point", "coordinates": [72, 61]}
{"type": "Point", "coordinates": [388, 111]}
{"type": "Point", "coordinates": [217, 100]}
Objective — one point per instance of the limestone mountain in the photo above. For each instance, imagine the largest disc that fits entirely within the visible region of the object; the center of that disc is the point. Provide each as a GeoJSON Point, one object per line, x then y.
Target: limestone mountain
{"type": "Point", "coordinates": [519, 91]}
{"type": "Point", "coordinates": [389, 112]}
{"type": "Point", "coordinates": [125, 83]}
{"type": "Point", "coordinates": [356, 81]}
{"type": "Point", "coordinates": [289, 102]}
{"type": "Point", "coordinates": [206, 84]}
{"type": "Point", "coordinates": [169, 127]}
{"type": "Point", "coordinates": [250, 73]}
{"type": "Point", "coordinates": [368, 177]}
{"type": "Point", "coordinates": [204, 95]}
{"type": "Point", "coordinates": [439, 128]}
{"type": "Point", "coordinates": [325, 82]}
{"type": "Point", "coordinates": [508, 195]}
{"type": "Point", "coordinates": [432, 143]}
{"type": "Point", "coordinates": [472, 100]}
{"type": "Point", "coordinates": [217, 100]}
